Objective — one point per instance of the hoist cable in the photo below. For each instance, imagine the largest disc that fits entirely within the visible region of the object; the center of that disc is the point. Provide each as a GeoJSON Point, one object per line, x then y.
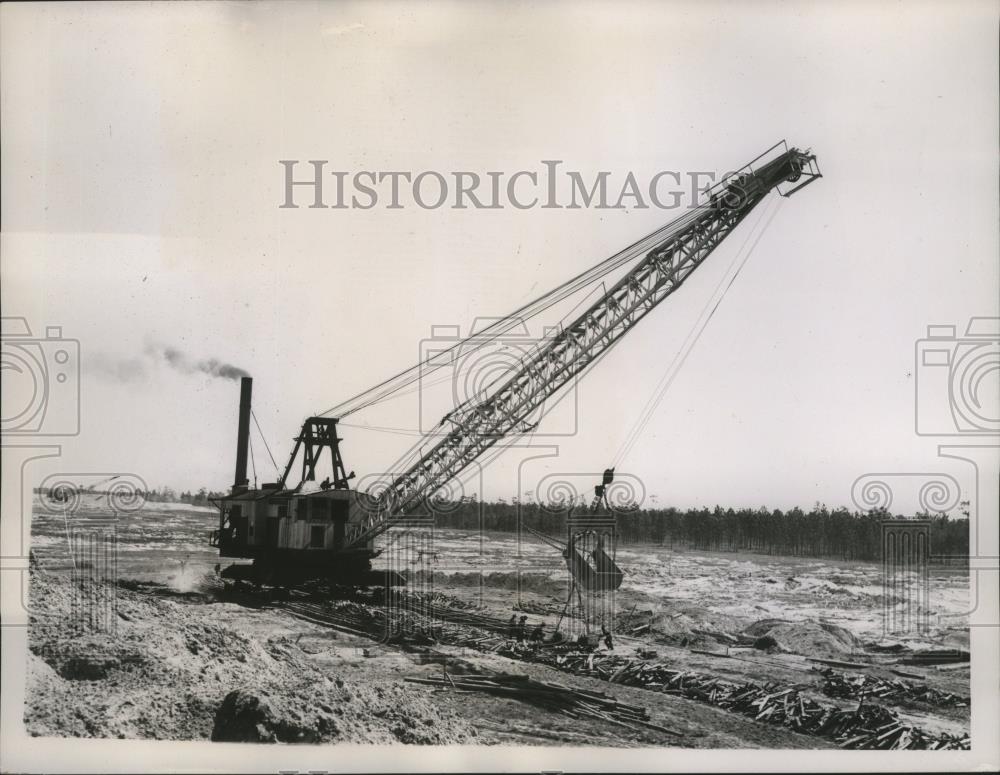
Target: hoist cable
{"type": "Point", "coordinates": [253, 465]}
{"type": "Point", "coordinates": [411, 456]}
{"type": "Point", "coordinates": [695, 333]}
{"type": "Point", "coordinates": [390, 386]}
{"type": "Point", "coordinates": [264, 439]}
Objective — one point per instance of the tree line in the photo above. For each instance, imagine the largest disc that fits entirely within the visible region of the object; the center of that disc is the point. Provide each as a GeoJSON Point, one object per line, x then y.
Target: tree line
{"type": "Point", "coordinates": [819, 532]}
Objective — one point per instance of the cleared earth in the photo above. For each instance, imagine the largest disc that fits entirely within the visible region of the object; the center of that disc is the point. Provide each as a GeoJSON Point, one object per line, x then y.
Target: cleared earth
{"type": "Point", "coordinates": [179, 662]}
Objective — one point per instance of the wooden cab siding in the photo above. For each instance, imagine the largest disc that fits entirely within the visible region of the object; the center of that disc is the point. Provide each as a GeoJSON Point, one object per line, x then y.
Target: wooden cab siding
{"type": "Point", "coordinates": [306, 522]}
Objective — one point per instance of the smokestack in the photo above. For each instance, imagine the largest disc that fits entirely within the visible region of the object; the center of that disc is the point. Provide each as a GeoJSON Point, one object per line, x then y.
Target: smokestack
{"type": "Point", "coordinates": [243, 436]}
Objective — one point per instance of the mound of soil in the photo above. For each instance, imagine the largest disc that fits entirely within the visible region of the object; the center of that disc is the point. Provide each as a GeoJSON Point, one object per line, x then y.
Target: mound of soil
{"type": "Point", "coordinates": [170, 670]}
{"type": "Point", "coordinates": [810, 639]}
{"type": "Point", "coordinates": [692, 626]}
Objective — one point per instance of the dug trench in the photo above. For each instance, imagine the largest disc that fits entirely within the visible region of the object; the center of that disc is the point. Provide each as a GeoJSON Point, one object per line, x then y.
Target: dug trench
{"type": "Point", "coordinates": [311, 669]}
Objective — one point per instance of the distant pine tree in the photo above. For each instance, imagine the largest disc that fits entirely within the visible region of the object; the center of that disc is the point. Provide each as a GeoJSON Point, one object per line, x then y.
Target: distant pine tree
{"type": "Point", "coordinates": [820, 532]}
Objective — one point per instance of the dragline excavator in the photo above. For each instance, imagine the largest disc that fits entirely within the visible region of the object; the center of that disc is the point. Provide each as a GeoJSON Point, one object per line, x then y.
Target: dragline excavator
{"type": "Point", "coordinates": [292, 534]}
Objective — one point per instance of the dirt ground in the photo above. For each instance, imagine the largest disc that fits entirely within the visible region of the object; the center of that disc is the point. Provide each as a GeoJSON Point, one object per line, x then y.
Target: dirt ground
{"type": "Point", "coordinates": [170, 662]}
{"type": "Point", "coordinates": [182, 670]}
{"type": "Point", "coordinates": [167, 668]}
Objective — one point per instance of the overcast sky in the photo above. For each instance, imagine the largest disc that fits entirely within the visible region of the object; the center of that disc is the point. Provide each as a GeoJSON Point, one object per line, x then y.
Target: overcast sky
{"type": "Point", "coordinates": [141, 191]}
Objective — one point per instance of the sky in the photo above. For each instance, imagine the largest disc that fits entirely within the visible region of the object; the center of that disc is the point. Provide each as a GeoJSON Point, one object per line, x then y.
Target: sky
{"type": "Point", "coordinates": [141, 193]}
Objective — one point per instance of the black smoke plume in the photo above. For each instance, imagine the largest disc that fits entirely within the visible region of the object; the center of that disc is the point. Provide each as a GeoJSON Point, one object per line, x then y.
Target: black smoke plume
{"type": "Point", "coordinates": [183, 363]}
{"type": "Point", "coordinates": [154, 353]}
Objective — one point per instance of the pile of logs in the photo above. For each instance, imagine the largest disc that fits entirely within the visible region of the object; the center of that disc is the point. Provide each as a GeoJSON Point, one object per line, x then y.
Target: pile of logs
{"type": "Point", "coordinates": [542, 609]}
{"type": "Point", "coordinates": [865, 727]}
{"type": "Point", "coordinates": [878, 728]}
{"type": "Point", "coordinates": [575, 703]}
{"type": "Point", "coordinates": [439, 600]}
{"type": "Point", "coordinates": [869, 686]}
{"type": "Point", "coordinates": [349, 616]}
{"type": "Point", "coordinates": [439, 608]}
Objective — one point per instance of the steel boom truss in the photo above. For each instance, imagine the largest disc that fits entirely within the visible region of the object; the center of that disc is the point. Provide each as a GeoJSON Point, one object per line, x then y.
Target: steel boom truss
{"type": "Point", "coordinates": [476, 427]}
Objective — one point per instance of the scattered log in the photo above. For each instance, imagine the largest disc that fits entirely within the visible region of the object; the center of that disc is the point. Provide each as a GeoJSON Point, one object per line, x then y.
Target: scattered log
{"type": "Point", "coordinates": [935, 657]}
{"type": "Point", "coordinates": [840, 663]}
{"type": "Point", "coordinates": [575, 703]}
{"type": "Point", "coordinates": [710, 653]}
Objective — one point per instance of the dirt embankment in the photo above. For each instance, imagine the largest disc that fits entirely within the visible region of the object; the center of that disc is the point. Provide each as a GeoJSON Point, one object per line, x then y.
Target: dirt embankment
{"type": "Point", "coordinates": [166, 670]}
